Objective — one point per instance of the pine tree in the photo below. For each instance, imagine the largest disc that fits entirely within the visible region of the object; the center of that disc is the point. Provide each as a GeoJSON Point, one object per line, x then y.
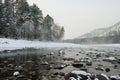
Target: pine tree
{"type": "Point", "coordinates": [22, 12]}
{"type": "Point", "coordinates": [37, 18]}
{"type": "Point", "coordinates": [57, 32]}
{"type": "Point", "coordinates": [19, 20]}
{"type": "Point", "coordinates": [1, 17]}
{"type": "Point", "coordinates": [47, 26]}
{"type": "Point", "coordinates": [9, 19]}
{"type": "Point", "coordinates": [62, 33]}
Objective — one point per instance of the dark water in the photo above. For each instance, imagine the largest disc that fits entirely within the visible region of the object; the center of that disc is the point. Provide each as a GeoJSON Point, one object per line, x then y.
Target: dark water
{"type": "Point", "coordinates": [32, 64]}
{"type": "Point", "coordinates": [29, 51]}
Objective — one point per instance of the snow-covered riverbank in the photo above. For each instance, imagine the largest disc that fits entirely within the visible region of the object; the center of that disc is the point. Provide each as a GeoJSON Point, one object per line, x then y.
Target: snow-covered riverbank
{"type": "Point", "coordinates": [11, 44]}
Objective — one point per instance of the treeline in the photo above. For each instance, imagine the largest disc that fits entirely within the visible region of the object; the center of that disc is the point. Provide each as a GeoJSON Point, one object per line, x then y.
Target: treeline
{"type": "Point", "coordinates": [96, 40]}
{"type": "Point", "coordinates": [19, 20]}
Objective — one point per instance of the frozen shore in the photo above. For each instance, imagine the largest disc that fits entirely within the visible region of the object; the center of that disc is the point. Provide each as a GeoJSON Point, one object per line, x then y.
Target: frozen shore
{"type": "Point", "coordinates": [11, 44]}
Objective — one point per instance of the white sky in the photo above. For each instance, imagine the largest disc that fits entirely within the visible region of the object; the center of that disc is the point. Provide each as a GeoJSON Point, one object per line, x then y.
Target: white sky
{"type": "Point", "coordinates": [81, 16]}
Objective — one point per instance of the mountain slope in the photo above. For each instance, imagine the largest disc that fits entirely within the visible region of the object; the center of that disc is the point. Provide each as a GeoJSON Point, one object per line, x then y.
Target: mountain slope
{"type": "Point", "coordinates": [102, 35]}
{"type": "Point", "coordinates": [103, 32]}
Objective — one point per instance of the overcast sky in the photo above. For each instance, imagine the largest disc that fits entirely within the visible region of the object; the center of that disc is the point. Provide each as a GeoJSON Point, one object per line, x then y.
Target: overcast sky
{"type": "Point", "coordinates": [81, 16]}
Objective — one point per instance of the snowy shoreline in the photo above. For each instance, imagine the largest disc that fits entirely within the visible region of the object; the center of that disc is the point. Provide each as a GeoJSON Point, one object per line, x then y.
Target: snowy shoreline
{"type": "Point", "coordinates": [11, 44]}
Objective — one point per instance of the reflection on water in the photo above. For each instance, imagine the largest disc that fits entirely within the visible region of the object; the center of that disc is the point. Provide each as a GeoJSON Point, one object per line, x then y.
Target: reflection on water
{"type": "Point", "coordinates": [23, 52]}
{"type": "Point", "coordinates": [31, 64]}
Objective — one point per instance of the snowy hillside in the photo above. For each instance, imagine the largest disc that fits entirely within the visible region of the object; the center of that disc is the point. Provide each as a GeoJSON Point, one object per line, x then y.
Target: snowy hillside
{"type": "Point", "coordinates": [103, 32]}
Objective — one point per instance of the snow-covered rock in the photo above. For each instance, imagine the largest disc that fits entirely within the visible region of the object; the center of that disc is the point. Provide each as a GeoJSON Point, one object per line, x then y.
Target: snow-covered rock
{"type": "Point", "coordinates": [78, 75]}
{"type": "Point", "coordinates": [96, 79]}
{"type": "Point", "coordinates": [102, 77]}
{"type": "Point", "coordinates": [72, 78]}
{"type": "Point", "coordinates": [16, 73]}
{"type": "Point", "coordinates": [105, 76]}
{"type": "Point", "coordinates": [111, 58]}
{"type": "Point", "coordinates": [82, 73]}
{"type": "Point", "coordinates": [115, 77]}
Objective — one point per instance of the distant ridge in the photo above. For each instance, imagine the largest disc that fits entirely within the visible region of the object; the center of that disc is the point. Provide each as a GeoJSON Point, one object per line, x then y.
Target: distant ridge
{"type": "Point", "coordinates": [99, 36]}
{"type": "Point", "coordinates": [103, 32]}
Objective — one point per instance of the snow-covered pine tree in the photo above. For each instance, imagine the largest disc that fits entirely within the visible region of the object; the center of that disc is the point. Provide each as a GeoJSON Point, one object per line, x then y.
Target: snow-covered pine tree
{"type": "Point", "coordinates": [9, 19]}
{"type": "Point", "coordinates": [47, 26]}
{"type": "Point", "coordinates": [57, 32]}
{"type": "Point", "coordinates": [22, 12]}
{"type": "Point", "coordinates": [62, 33]}
{"type": "Point", "coordinates": [19, 20]}
{"type": "Point", "coordinates": [36, 17]}
{"type": "Point", "coordinates": [1, 18]}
